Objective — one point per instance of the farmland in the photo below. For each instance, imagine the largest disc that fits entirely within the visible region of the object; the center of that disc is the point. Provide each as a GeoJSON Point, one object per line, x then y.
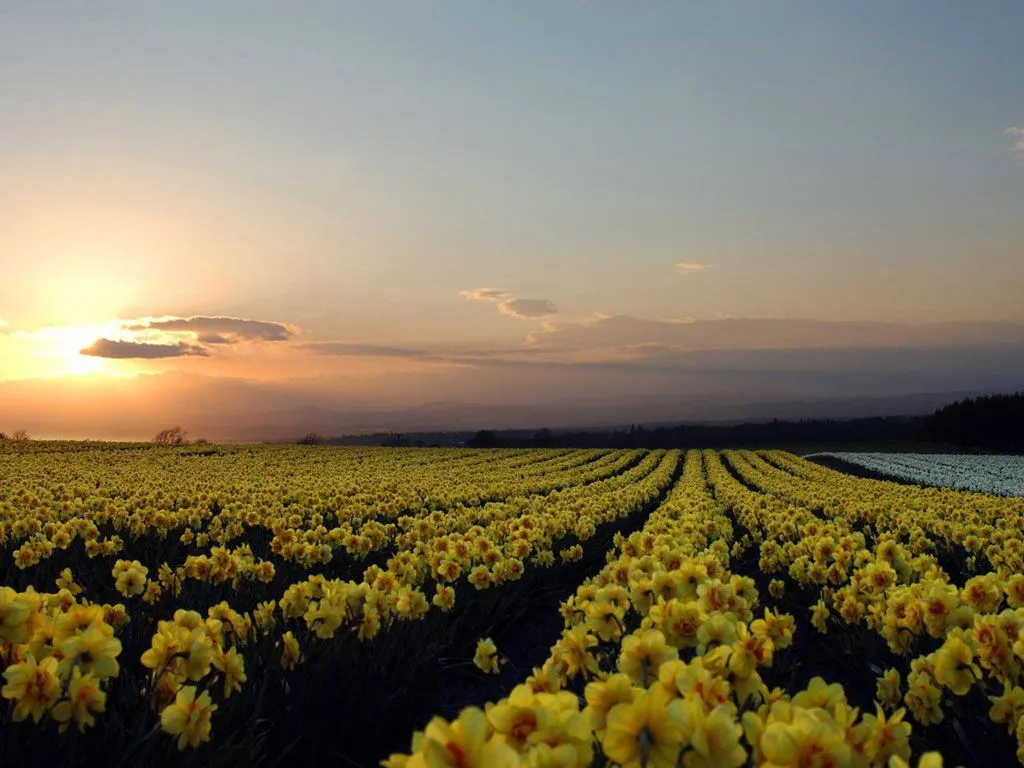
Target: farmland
{"type": "Point", "coordinates": [242, 604]}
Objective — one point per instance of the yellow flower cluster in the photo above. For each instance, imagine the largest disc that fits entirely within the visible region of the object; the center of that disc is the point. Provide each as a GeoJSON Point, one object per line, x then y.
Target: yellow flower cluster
{"type": "Point", "coordinates": [442, 548]}
{"type": "Point", "coordinates": [662, 654]}
{"type": "Point", "coordinates": [669, 645]}
{"type": "Point", "coordinates": [191, 649]}
{"type": "Point", "coordinates": [59, 654]}
{"type": "Point", "coordinates": [442, 517]}
{"type": "Point", "coordinates": [356, 499]}
{"type": "Point", "coordinates": [877, 553]}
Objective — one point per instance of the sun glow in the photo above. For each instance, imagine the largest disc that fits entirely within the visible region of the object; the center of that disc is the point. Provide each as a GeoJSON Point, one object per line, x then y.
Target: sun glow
{"type": "Point", "coordinates": [61, 348]}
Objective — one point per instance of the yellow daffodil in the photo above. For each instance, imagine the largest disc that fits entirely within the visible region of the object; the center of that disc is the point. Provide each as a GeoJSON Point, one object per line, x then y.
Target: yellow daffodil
{"type": "Point", "coordinates": [486, 656]}
{"type": "Point", "coordinates": [83, 701]}
{"type": "Point", "coordinates": [188, 717]}
{"type": "Point", "coordinates": [34, 687]}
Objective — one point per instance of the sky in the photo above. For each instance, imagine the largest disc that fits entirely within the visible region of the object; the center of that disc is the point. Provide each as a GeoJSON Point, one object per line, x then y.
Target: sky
{"type": "Point", "coordinates": [379, 205]}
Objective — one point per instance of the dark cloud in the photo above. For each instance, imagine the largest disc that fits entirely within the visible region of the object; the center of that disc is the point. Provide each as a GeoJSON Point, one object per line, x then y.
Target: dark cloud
{"type": "Point", "coordinates": [213, 338]}
{"type": "Point", "coordinates": [523, 309]}
{"type": "Point", "coordinates": [218, 330]}
{"type": "Point", "coordinates": [527, 308]}
{"type": "Point", "coordinates": [342, 348]}
{"type": "Point", "coordinates": [126, 350]}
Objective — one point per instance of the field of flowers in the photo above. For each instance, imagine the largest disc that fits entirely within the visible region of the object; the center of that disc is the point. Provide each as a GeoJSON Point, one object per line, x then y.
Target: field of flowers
{"type": "Point", "coordinates": [236, 605]}
{"type": "Point", "coordinates": [1002, 475]}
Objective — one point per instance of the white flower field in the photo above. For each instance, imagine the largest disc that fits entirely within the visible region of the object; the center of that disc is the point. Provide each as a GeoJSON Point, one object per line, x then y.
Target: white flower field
{"type": "Point", "coordinates": [1002, 475]}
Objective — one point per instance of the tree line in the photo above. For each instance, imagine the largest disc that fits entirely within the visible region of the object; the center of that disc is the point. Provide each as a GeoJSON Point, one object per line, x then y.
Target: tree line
{"type": "Point", "coordinates": [987, 423]}
{"type": "Point", "coordinates": [876, 430]}
{"type": "Point", "coordinates": [984, 423]}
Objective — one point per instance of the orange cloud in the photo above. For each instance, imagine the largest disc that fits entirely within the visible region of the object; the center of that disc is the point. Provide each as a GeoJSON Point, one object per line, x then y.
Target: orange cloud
{"type": "Point", "coordinates": [689, 267]}
{"type": "Point", "coordinates": [485, 294]}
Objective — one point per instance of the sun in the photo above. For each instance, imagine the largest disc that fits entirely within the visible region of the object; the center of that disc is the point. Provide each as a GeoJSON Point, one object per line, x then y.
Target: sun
{"type": "Point", "coordinates": [77, 363]}
{"type": "Point", "coordinates": [62, 347]}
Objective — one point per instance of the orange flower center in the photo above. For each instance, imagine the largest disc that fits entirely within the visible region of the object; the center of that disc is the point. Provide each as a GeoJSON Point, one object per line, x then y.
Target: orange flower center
{"type": "Point", "coordinates": [524, 725]}
{"type": "Point", "coordinates": [459, 756]}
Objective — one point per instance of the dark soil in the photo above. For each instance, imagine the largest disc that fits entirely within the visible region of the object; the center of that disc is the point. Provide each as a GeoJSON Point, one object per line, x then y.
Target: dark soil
{"type": "Point", "coordinates": [522, 648]}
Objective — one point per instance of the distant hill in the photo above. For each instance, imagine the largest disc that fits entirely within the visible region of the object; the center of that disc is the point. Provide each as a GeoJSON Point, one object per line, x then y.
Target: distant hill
{"type": "Point", "coordinates": [981, 422]}
{"type": "Point", "coordinates": [444, 417]}
{"type": "Point", "coordinates": [469, 417]}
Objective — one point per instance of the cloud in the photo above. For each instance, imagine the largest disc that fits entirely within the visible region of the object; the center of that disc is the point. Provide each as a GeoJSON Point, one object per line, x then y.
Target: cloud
{"type": "Point", "coordinates": [125, 350]}
{"type": "Point", "coordinates": [527, 308]}
{"type": "Point", "coordinates": [1018, 134]}
{"type": "Point", "coordinates": [168, 336]}
{"type": "Point", "coordinates": [616, 332]}
{"type": "Point", "coordinates": [485, 294]}
{"type": "Point", "coordinates": [217, 330]}
{"type": "Point", "coordinates": [213, 338]}
{"type": "Point", "coordinates": [344, 348]}
{"type": "Point", "coordinates": [689, 267]}
{"type": "Point", "coordinates": [521, 309]}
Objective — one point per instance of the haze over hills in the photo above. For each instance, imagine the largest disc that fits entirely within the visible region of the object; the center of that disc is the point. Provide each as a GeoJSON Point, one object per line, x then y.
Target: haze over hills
{"type": "Point", "coordinates": [229, 410]}
{"type": "Point", "coordinates": [629, 375]}
{"type": "Point", "coordinates": [474, 416]}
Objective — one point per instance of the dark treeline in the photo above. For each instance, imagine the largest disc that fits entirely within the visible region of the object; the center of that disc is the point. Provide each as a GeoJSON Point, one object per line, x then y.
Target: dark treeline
{"type": "Point", "coordinates": [894, 429]}
{"type": "Point", "coordinates": [985, 423]}
{"type": "Point", "coordinates": [989, 422]}
{"type": "Point", "coordinates": [890, 430]}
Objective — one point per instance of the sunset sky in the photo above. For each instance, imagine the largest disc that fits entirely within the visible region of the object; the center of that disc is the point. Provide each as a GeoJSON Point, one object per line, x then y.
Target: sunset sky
{"type": "Point", "coordinates": [242, 208]}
